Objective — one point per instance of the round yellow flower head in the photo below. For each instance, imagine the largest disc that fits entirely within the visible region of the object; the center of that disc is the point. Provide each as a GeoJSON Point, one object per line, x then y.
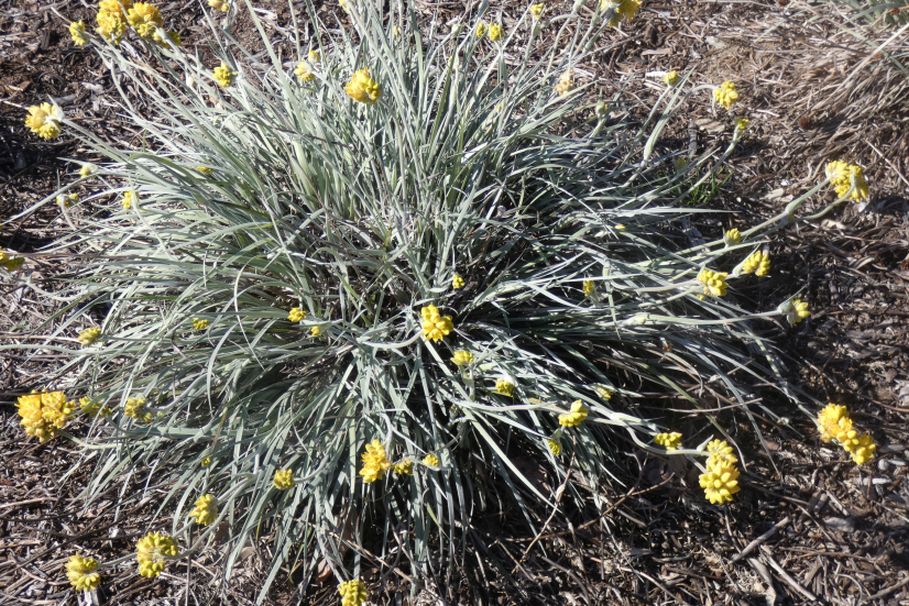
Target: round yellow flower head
{"type": "Point", "coordinates": [82, 573]}
{"type": "Point", "coordinates": [720, 482]}
{"type": "Point", "coordinates": [554, 447]}
{"type": "Point", "coordinates": [204, 170]}
{"type": "Point", "coordinates": [462, 357]}
{"type": "Point", "coordinates": [726, 94]}
{"type": "Point", "coordinates": [758, 263]}
{"type": "Point", "coordinates": [669, 441]}
{"type": "Point", "coordinates": [89, 335]}
{"type": "Point", "coordinates": [627, 9]}
{"type": "Point", "coordinates": [741, 124]}
{"type": "Point", "coordinates": [111, 19]}
{"type": "Point", "coordinates": [43, 415]}
{"type": "Point", "coordinates": [431, 460]}
{"type": "Point", "coordinates": [219, 5]}
{"type": "Point", "coordinates": [435, 326]}
{"type": "Point", "coordinates": [314, 56]}
{"type": "Point", "coordinates": [605, 392]}
{"type": "Point", "coordinates": [714, 282]}
{"type": "Point", "coordinates": [86, 171]}
{"type": "Point", "coordinates": [45, 120]}
{"type": "Point", "coordinates": [283, 479]}
{"type": "Point", "coordinates": [205, 510]}
{"type": "Point", "coordinates": [671, 78]}
{"type": "Point", "coordinates": [481, 29]}
{"type": "Point", "coordinates": [495, 32]}
{"type": "Point", "coordinates": [199, 324]}
{"type": "Point", "coordinates": [565, 84]}
{"type": "Point", "coordinates": [457, 281]}
{"type": "Point", "coordinates": [536, 10]}
{"type": "Point", "coordinates": [504, 387]}
{"type": "Point", "coordinates": [375, 462]}
{"type": "Point", "coordinates": [130, 199]}
{"type": "Point", "coordinates": [161, 38]}
{"type": "Point", "coordinates": [92, 407]}
{"type": "Point", "coordinates": [403, 467]}
{"type": "Point", "coordinates": [135, 409]}
{"type": "Point", "coordinates": [145, 18]}
{"type": "Point", "coordinates": [205, 462]}
{"type": "Point", "coordinates": [315, 331]}
{"type": "Point", "coordinates": [732, 236]}
{"type": "Point", "coordinates": [863, 449]}
{"type": "Point", "coordinates": [223, 75]}
{"type": "Point", "coordinates": [847, 180]}
{"type": "Point", "coordinates": [362, 88]}
{"type": "Point", "coordinates": [720, 452]}
{"type": "Point", "coordinates": [152, 552]}
{"type": "Point", "coordinates": [589, 287]}
{"type": "Point", "coordinates": [296, 315]}
{"type": "Point", "coordinates": [575, 417]}
{"type": "Point", "coordinates": [834, 423]}
{"type": "Point", "coordinates": [304, 72]}
{"type": "Point", "coordinates": [67, 200]}
{"type": "Point", "coordinates": [353, 593]}
{"type": "Point", "coordinates": [77, 33]}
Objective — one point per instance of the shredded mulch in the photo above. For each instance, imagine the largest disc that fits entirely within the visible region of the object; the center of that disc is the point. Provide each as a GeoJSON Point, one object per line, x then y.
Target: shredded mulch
{"type": "Point", "coordinates": [808, 527]}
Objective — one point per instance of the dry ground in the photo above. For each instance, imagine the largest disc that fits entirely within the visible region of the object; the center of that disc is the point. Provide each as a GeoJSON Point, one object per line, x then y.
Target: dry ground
{"type": "Point", "coordinates": [808, 528]}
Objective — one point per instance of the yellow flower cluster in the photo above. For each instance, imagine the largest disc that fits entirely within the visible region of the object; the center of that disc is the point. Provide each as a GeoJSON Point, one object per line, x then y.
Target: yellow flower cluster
{"type": "Point", "coordinates": [462, 357]}
{"type": "Point", "coordinates": [362, 88]}
{"type": "Point", "coordinates": [82, 573]}
{"type": "Point", "coordinates": [757, 263]}
{"type": "Point", "coordinates": [565, 84]}
{"type": "Point", "coordinates": [45, 120]}
{"type": "Point", "coordinates": [219, 5]}
{"type": "Point", "coordinates": [576, 416]}
{"type": "Point", "coordinates": [283, 479]}
{"type": "Point", "coordinates": [77, 33]}
{"type": "Point", "coordinates": [130, 199]}
{"type": "Point", "coordinates": [721, 479]}
{"type": "Point", "coordinates": [10, 263]}
{"type": "Point", "coordinates": [315, 331]}
{"type": "Point", "coordinates": [200, 324]}
{"type": "Point", "coordinates": [435, 326]}
{"type": "Point", "coordinates": [834, 423]}
{"type": "Point", "coordinates": [457, 281]}
{"type": "Point", "coordinates": [627, 9]}
{"type": "Point", "coordinates": [605, 392]}
{"type": "Point", "coordinates": [495, 32]}
{"type": "Point", "coordinates": [732, 236]}
{"type": "Point", "coordinates": [589, 287]}
{"type": "Point", "coordinates": [92, 407]}
{"type": "Point", "coordinates": [536, 10]}
{"type": "Point", "coordinates": [296, 315]}
{"type": "Point", "coordinates": [375, 462]}
{"type": "Point", "coordinates": [44, 414]}
{"type": "Point", "coordinates": [669, 441]}
{"type": "Point", "coordinates": [111, 19]}
{"type": "Point", "coordinates": [353, 593]}
{"type": "Point", "coordinates": [135, 409]}
{"type": "Point", "coordinates": [714, 282]}
{"type": "Point", "coordinates": [86, 171]}
{"type": "Point", "coordinates": [67, 200]}
{"type": "Point", "coordinates": [223, 75]}
{"type": "Point", "coordinates": [796, 310]}
{"type": "Point", "coordinates": [431, 460]}
{"type": "Point", "coordinates": [726, 94]}
{"type": "Point", "coordinates": [89, 335]}
{"type": "Point", "coordinates": [304, 72]}
{"type": "Point", "coordinates": [145, 19]}
{"type": "Point", "coordinates": [403, 467]}
{"type": "Point", "coordinates": [847, 179]}
{"type": "Point", "coordinates": [741, 124]}
{"type": "Point", "coordinates": [152, 551]}
{"type": "Point", "coordinates": [504, 387]}
{"type": "Point", "coordinates": [671, 78]}
{"type": "Point", "coordinates": [205, 510]}
{"type": "Point", "coordinates": [554, 447]}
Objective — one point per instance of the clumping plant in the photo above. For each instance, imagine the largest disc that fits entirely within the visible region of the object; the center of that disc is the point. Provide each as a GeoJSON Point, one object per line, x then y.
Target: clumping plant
{"type": "Point", "coordinates": [477, 265]}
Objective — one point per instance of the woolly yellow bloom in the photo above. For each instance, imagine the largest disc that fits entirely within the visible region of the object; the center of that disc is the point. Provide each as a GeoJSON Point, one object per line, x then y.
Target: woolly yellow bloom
{"type": "Point", "coordinates": [481, 29]}
{"type": "Point", "coordinates": [362, 88]}
{"type": "Point", "coordinates": [795, 310]}
{"type": "Point", "coordinates": [495, 32]}
{"type": "Point", "coordinates": [504, 387]}
{"type": "Point", "coordinates": [283, 479]}
{"type": "Point", "coordinates": [847, 179]}
{"type": "Point", "coordinates": [758, 263]}
{"type": "Point", "coordinates": [77, 33]}
{"type": "Point", "coordinates": [89, 335]}
{"type": "Point", "coordinates": [200, 324]}
{"type": "Point", "coordinates": [82, 573]}
{"type": "Point", "coordinates": [589, 287]}
{"type": "Point", "coordinates": [462, 357]}
{"type": "Point", "coordinates": [863, 450]}
{"type": "Point", "coordinates": [45, 120]}
{"type": "Point", "coordinates": [86, 171]}
{"type": "Point", "coordinates": [111, 19]}
{"type": "Point", "coordinates": [671, 78]}
{"type": "Point", "coordinates": [403, 467]}
{"type": "Point", "coordinates": [627, 9]}
{"type": "Point", "coordinates": [435, 326]}
{"type": "Point", "coordinates": [130, 198]}
{"type": "Point", "coordinates": [223, 75]}
{"type": "Point", "coordinates": [741, 124]}
{"type": "Point", "coordinates": [205, 510]}
{"type": "Point", "coordinates": [431, 460]}
{"type": "Point", "coordinates": [725, 94]}
{"type": "Point", "coordinates": [205, 462]}
{"type": "Point", "coordinates": [536, 10]}
{"type": "Point", "coordinates": [304, 72]}
{"type": "Point", "coordinates": [575, 417]}
{"type": "Point", "coordinates": [44, 414]}
{"type": "Point", "coordinates": [669, 441]}
{"type": "Point", "coordinates": [204, 170]}
{"type": "Point", "coordinates": [720, 482]}
{"type": "Point", "coordinates": [296, 315]}
{"type": "Point", "coordinates": [10, 263]}
{"type": "Point", "coordinates": [67, 200]}
{"type": "Point", "coordinates": [375, 462]}
{"type": "Point", "coordinates": [554, 447]}
{"type": "Point", "coordinates": [92, 407]}
{"type": "Point", "coordinates": [315, 331]}
{"type": "Point", "coordinates": [834, 423]}
{"type": "Point", "coordinates": [605, 392]}
{"type": "Point", "coordinates": [714, 282]}
{"type": "Point", "coordinates": [720, 451]}
{"type": "Point", "coordinates": [135, 409]}
{"type": "Point", "coordinates": [565, 84]}
{"type": "Point", "coordinates": [353, 593]}
{"type": "Point", "coordinates": [732, 236]}
{"type": "Point", "coordinates": [219, 5]}
{"type": "Point", "coordinates": [314, 56]}
{"type": "Point", "coordinates": [145, 18]}
{"type": "Point", "coordinates": [160, 37]}
{"type": "Point", "coordinates": [457, 281]}
{"type": "Point", "coordinates": [152, 552]}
